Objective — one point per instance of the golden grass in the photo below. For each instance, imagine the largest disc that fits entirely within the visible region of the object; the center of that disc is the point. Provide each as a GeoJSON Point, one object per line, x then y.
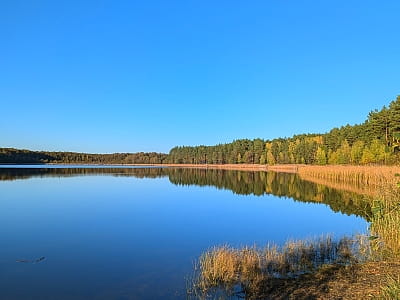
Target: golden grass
{"type": "Point", "coordinates": [385, 221]}
{"type": "Point", "coordinates": [378, 181]}
{"type": "Point", "coordinates": [364, 177]}
{"type": "Point", "coordinates": [246, 270]}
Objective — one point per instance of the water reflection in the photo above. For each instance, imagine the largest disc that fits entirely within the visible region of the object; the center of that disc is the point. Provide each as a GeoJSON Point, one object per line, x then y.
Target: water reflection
{"type": "Point", "coordinates": [239, 182]}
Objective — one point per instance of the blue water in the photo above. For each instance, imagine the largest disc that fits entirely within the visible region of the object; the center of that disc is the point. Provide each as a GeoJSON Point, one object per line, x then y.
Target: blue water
{"type": "Point", "coordinates": [108, 237]}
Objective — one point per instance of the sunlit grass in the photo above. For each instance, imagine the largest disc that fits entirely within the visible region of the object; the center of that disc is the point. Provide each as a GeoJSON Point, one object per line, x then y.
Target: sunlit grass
{"type": "Point", "coordinates": [385, 221]}
{"type": "Point", "coordinates": [246, 270]}
{"type": "Point", "coordinates": [363, 179]}
{"type": "Point", "coordinates": [385, 217]}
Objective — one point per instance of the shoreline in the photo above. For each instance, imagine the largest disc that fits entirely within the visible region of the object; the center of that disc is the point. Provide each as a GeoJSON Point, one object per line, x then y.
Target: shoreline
{"type": "Point", "coordinates": [292, 168]}
{"type": "Point", "coordinates": [284, 168]}
{"type": "Point", "coordinates": [237, 167]}
{"type": "Point", "coordinates": [360, 179]}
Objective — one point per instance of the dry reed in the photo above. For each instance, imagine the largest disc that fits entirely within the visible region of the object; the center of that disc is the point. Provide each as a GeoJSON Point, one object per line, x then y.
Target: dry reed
{"type": "Point", "coordinates": [380, 181]}
{"type": "Point", "coordinates": [368, 177]}
{"type": "Point", "coordinates": [246, 270]}
{"type": "Point", "coordinates": [385, 221]}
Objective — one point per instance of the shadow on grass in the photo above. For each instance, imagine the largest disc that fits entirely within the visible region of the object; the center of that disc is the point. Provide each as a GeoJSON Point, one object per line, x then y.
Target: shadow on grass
{"type": "Point", "coordinates": [316, 285]}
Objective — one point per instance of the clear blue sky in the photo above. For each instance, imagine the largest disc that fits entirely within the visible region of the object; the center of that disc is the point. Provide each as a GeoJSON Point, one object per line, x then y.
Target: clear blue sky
{"type": "Point", "coordinates": [128, 76]}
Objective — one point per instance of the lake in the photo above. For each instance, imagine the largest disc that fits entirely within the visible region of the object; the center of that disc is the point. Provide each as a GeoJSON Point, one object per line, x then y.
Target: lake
{"type": "Point", "coordinates": [135, 232]}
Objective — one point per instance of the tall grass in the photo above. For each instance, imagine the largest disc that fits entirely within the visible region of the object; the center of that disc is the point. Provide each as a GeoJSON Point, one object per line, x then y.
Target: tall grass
{"type": "Point", "coordinates": [367, 178]}
{"type": "Point", "coordinates": [247, 270]}
{"type": "Point", "coordinates": [381, 181]}
{"type": "Point", "coordinates": [385, 221]}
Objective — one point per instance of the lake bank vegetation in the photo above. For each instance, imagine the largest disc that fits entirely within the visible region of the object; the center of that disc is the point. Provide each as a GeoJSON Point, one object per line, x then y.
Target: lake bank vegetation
{"type": "Point", "coordinates": [247, 272]}
{"type": "Point", "coordinates": [385, 221]}
{"type": "Point", "coordinates": [367, 180]}
{"type": "Point", "coordinates": [355, 175]}
{"type": "Point", "coordinates": [365, 267]}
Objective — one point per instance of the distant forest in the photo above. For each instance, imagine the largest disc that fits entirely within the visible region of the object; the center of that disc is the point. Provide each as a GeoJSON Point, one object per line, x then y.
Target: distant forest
{"type": "Point", "coordinates": [9, 155]}
{"type": "Point", "coordinates": [376, 141]}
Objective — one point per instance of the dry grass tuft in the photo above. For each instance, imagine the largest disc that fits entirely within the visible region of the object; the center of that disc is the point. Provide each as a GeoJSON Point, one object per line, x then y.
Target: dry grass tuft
{"type": "Point", "coordinates": [219, 266]}
{"type": "Point", "coordinates": [245, 271]}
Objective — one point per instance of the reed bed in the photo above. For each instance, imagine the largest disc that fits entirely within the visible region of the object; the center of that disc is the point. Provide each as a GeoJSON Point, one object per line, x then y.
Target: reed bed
{"type": "Point", "coordinates": [379, 181]}
{"type": "Point", "coordinates": [246, 270]}
{"type": "Point", "coordinates": [372, 177]}
{"type": "Point", "coordinates": [385, 221]}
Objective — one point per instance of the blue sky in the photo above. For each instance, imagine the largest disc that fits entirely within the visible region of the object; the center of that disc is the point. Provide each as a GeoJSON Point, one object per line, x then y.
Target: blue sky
{"type": "Point", "coordinates": [128, 76]}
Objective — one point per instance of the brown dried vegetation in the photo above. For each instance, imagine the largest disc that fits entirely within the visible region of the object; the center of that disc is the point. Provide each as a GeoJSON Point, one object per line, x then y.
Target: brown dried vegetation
{"type": "Point", "coordinates": [360, 268]}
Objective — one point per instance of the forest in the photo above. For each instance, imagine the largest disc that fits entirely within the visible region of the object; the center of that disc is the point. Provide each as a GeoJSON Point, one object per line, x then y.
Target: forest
{"type": "Point", "coordinates": [376, 141]}
{"type": "Point", "coordinates": [9, 155]}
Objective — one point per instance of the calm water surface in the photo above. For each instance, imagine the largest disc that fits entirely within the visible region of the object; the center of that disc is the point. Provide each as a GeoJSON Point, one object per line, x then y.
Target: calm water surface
{"type": "Point", "coordinates": [134, 233]}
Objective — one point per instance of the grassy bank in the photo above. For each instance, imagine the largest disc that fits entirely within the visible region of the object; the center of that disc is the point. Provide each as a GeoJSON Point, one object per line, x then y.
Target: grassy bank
{"type": "Point", "coordinates": [385, 222]}
{"type": "Point", "coordinates": [248, 272]}
{"type": "Point", "coordinates": [361, 179]}
{"type": "Point", "coordinates": [358, 268]}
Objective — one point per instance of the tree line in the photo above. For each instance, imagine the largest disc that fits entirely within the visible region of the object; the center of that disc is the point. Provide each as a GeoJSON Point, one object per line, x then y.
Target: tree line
{"type": "Point", "coordinates": [376, 141]}
{"type": "Point", "coordinates": [10, 155]}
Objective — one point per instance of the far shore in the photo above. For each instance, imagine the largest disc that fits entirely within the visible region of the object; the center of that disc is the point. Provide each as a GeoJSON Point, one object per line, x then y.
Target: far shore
{"type": "Point", "coordinates": [287, 168]}
{"type": "Point", "coordinates": [292, 168]}
{"type": "Point", "coordinates": [284, 168]}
